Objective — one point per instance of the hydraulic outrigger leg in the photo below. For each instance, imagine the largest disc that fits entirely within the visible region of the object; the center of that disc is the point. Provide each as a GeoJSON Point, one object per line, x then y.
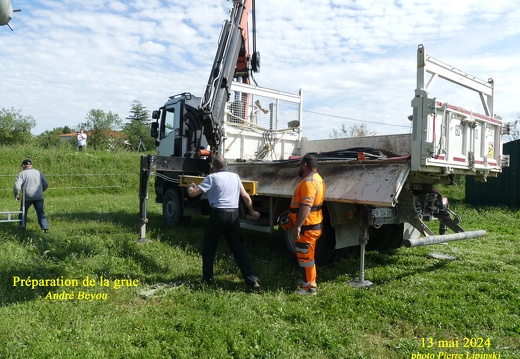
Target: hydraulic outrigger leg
{"type": "Point", "coordinates": [144, 179]}
{"type": "Point", "coordinates": [360, 281]}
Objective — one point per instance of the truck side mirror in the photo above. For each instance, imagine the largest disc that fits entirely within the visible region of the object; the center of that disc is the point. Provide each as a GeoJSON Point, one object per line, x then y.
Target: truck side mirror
{"type": "Point", "coordinates": [156, 114]}
{"type": "Point", "coordinates": [154, 130]}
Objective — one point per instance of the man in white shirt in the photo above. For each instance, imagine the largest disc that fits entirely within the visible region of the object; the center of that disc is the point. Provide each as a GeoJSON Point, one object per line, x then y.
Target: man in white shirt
{"type": "Point", "coordinates": [224, 190]}
{"type": "Point", "coordinates": [82, 139]}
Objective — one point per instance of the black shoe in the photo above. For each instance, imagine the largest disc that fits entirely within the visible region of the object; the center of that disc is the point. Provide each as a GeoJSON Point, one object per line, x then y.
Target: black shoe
{"type": "Point", "coordinates": [45, 231]}
{"type": "Point", "coordinates": [255, 287]}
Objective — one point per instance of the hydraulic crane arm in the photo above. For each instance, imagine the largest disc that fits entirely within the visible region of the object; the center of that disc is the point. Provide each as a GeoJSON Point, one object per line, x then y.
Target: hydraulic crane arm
{"type": "Point", "coordinates": [231, 60]}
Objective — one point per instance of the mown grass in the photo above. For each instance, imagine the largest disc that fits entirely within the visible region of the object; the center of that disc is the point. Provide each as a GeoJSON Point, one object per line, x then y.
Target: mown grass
{"type": "Point", "coordinates": [95, 234]}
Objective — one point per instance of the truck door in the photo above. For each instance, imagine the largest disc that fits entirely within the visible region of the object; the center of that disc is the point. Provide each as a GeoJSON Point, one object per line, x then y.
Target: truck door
{"type": "Point", "coordinates": [170, 140]}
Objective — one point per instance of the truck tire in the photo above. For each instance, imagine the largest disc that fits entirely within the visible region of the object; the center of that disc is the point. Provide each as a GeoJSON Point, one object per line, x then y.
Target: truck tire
{"type": "Point", "coordinates": [325, 246]}
{"type": "Point", "coordinates": [172, 208]}
{"type": "Point", "coordinates": [386, 238]}
{"type": "Point", "coordinates": [286, 243]}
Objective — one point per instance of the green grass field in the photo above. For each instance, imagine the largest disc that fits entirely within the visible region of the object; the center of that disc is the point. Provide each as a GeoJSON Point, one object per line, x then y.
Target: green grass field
{"type": "Point", "coordinates": [137, 300]}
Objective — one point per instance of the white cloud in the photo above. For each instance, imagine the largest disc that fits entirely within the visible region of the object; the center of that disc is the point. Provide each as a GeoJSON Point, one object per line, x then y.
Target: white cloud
{"type": "Point", "coordinates": [353, 59]}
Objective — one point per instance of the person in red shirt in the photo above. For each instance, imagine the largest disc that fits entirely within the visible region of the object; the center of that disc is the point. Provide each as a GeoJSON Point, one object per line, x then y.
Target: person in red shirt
{"type": "Point", "coordinates": [306, 214]}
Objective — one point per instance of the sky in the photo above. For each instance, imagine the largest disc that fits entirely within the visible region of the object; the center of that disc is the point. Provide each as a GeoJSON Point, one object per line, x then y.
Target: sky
{"type": "Point", "coordinates": [354, 60]}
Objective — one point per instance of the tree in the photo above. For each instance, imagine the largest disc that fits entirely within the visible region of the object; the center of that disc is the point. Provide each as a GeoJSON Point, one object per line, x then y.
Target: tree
{"type": "Point", "coordinates": [514, 133]}
{"type": "Point", "coordinates": [356, 130]}
{"type": "Point", "coordinates": [15, 129]}
{"type": "Point", "coordinates": [101, 126]}
{"type": "Point", "coordinates": [139, 128]}
{"type": "Point", "coordinates": [51, 138]}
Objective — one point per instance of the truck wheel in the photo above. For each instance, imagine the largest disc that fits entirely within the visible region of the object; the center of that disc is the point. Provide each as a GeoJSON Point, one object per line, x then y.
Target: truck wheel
{"type": "Point", "coordinates": [287, 243]}
{"type": "Point", "coordinates": [172, 207]}
{"type": "Point", "coordinates": [325, 246]}
{"type": "Point", "coordinates": [387, 237]}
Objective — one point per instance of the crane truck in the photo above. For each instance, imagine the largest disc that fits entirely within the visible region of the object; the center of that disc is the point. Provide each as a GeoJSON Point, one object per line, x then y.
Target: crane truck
{"type": "Point", "coordinates": [380, 189]}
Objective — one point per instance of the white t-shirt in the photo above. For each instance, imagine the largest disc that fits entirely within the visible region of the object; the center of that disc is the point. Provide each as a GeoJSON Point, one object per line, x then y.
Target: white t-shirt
{"type": "Point", "coordinates": [222, 189]}
{"type": "Point", "coordinates": [82, 139]}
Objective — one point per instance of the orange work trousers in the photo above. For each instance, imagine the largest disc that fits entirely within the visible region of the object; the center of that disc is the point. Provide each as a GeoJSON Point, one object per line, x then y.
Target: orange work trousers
{"type": "Point", "coordinates": [305, 249]}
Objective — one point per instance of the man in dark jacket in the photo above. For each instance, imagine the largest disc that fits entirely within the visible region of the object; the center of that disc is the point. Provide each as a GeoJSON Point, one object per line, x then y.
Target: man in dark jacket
{"type": "Point", "coordinates": [33, 183]}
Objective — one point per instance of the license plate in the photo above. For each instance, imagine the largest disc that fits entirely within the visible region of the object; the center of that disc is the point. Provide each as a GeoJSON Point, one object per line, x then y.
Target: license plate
{"type": "Point", "coordinates": [383, 212]}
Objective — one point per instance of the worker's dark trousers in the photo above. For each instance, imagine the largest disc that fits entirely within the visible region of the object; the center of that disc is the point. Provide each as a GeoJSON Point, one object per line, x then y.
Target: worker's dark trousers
{"type": "Point", "coordinates": [40, 212]}
{"type": "Point", "coordinates": [226, 222]}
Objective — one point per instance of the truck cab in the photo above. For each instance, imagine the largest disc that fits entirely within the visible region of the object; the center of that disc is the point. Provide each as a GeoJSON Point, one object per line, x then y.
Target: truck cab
{"type": "Point", "coordinates": [177, 129]}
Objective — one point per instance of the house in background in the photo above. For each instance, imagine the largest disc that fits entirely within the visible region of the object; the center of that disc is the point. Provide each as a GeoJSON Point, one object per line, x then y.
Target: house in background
{"type": "Point", "coordinates": [72, 136]}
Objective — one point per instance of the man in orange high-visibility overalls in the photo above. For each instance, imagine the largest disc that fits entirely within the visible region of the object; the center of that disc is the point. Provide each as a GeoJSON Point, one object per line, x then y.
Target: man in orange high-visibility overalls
{"type": "Point", "coordinates": [307, 217]}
